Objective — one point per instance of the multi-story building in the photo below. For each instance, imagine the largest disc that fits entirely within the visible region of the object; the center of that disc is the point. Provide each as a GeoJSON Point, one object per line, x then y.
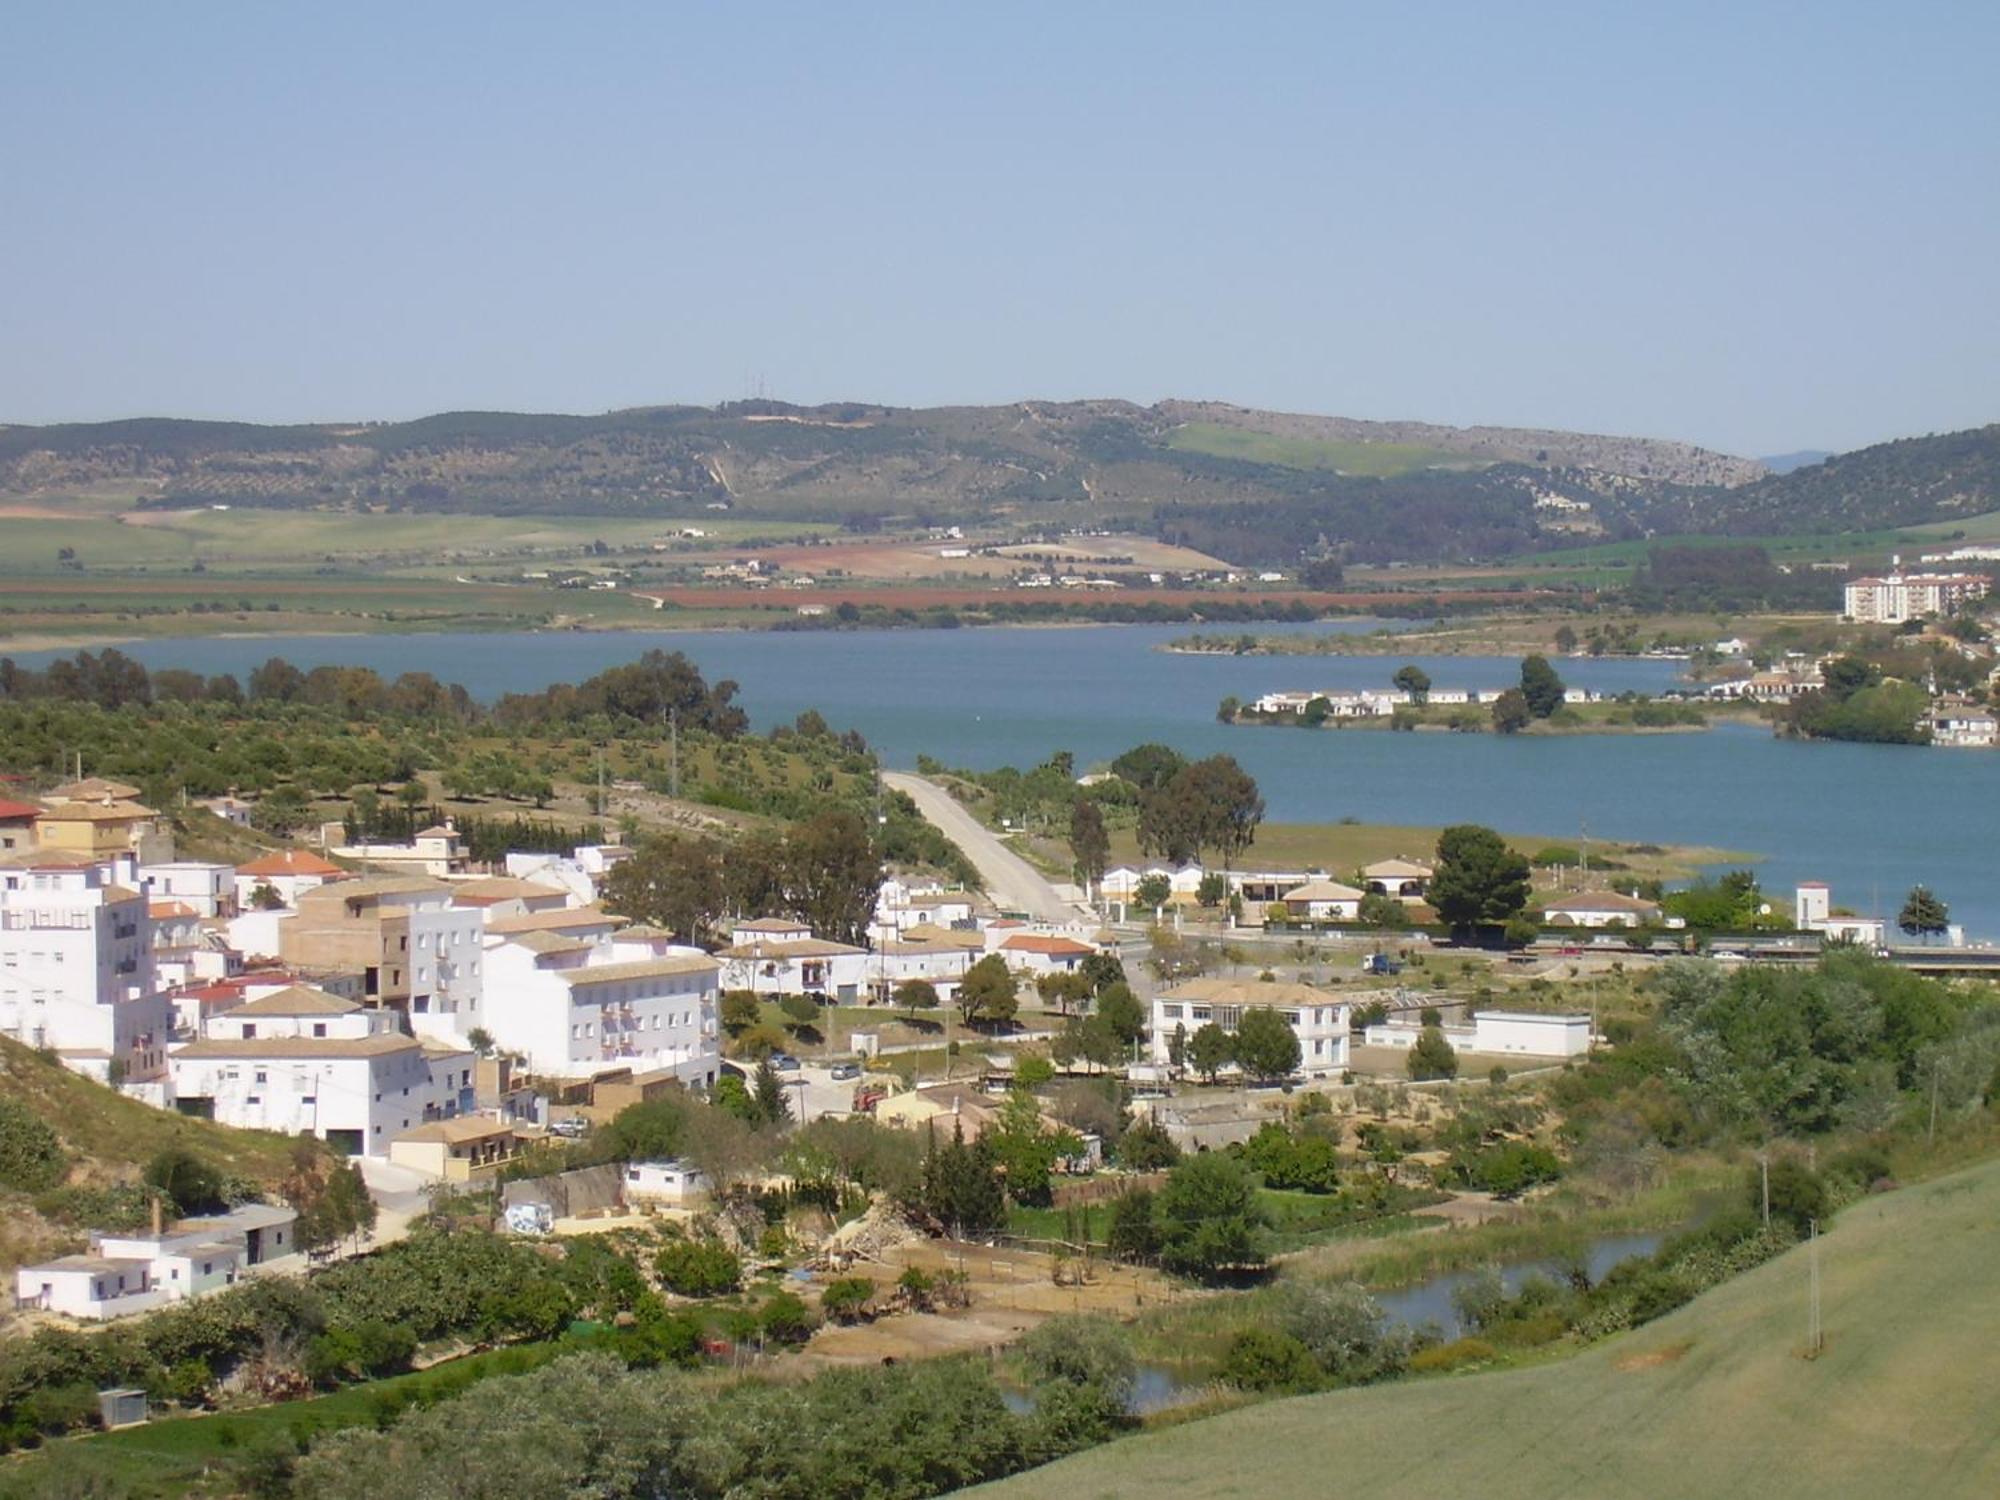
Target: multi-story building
{"type": "Point", "coordinates": [283, 876]}
{"type": "Point", "coordinates": [414, 948]}
{"type": "Point", "coordinates": [76, 964]}
{"type": "Point", "coordinates": [104, 826]}
{"type": "Point", "coordinates": [1319, 1020]}
{"type": "Point", "coordinates": [301, 1061]}
{"type": "Point", "coordinates": [1898, 596]}
{"type": "Point", "coordinates": [130, 1273]}
{"type": "Point", "coordinates": [208, 889]}
{"type": "Point", "coordinates": [573, 1008]}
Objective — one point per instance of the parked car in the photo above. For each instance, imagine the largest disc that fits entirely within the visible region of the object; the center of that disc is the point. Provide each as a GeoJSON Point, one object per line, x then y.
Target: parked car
{"type": "Point", "coordinates": [570, 1127]}
{"type": "Point", "coordinates": [844, 1071]}
{"type": "Point", "coordinates": [784, 1062]}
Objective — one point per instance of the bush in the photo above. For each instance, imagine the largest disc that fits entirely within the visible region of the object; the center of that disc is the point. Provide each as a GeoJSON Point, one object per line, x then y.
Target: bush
{"type": "Point", "coordinates": [1798, 1194]}
{"type": "Point", "coordinates": [1090, 1351]}
{"type": "Point", "coordinates": [32, 1159]}
{"type": "Point", "coordinates": [785, 1319]}
{"type": "Point", "coordinates": [846, 1299]}
{"type": "Point", "coordinates": [1344, 1329]}
{"type": "Point", "coordinates": [698, 1268]}
{"type": "Point", "coordinates": [187, 1182]}
{"type": "Point", "coordinates": [1263, 1359]}
{"type": "Point", "coordinates": [1147, 1147]}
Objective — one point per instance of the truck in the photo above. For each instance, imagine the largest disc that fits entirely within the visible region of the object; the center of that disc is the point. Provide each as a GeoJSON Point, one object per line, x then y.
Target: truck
{"type": "Point", "coordinates": [1381, 963]}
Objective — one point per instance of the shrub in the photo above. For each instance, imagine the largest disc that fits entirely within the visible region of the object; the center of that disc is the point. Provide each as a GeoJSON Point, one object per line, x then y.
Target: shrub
{"type": "Point", "coordinates": [846, 1299]}
{"type": "Point", "coordinates": [1264, 1359]}
{"type": "Point", "coordinates": [698, 1268]}
{"type": "Point", "coordinates": [1090, 1351]}
{"type": "Point", "coordinates": [1441, 1359]}
{"type": "Point", "coordinates": [785, 1319]}
{"type": "Point", "coordinates": [1798, 1194]}
{"type": "Point", "coordinates": [32, 1159]}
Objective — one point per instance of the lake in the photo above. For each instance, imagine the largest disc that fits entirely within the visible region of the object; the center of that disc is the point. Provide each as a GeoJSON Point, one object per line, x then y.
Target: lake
{"type": "Point", "coordinates": [1871, 819]}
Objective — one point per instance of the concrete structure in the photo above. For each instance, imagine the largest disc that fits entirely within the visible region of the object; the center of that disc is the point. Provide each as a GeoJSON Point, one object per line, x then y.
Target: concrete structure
{"type": "Point", "coordinates": [307, 1063]}
{"type": "Point", "coordinates": [506, 895]}
{"type": "Point", "coordinates": [289, 873]}
{"type": "Point", "coordinates": [436, 851]}
{"type": "Point", "coordinates": [1404, 879]}
{"type": "Point", "coordinates": [1505, 1032]}
{"type": "Point", "coordinates": [1964, 726]}
{"type": "Point", "coordinates": [1812, 911]}
{"type": "Point", "coordinates": [572, 1012]}
{"type": "Point", "coordinates": [1600, 909]}
{"type": "Point", "coordinates": [17, 826]}
{"type": "Point", "coordinates": [1898, 596]}
{"type": "Point", "coordinates": [129, 1273]}
{"type": "Point", "coordinates": [208, 888]}
{"type": "Point", "coordinates": [76, 965]}
{"type": "Point", "coordinates": [797, 966]}
{"type": "Point", "coordinates": [414, 949]}
{"type": "Point", "coordinates": [471, 1148]}
{"type": "Point", "coordinates": [671, 1184]}
{"type": "Point", "coordinates": [580, 873]}
{"type": "Point", "coordinates": [1319, 1020]}
{"type": "Point", "coordinates": [1038, 953]}
{"type": "Point", "coordinates": [1323, 901]}
{"type": "Point", "coordinates": [104, 826]}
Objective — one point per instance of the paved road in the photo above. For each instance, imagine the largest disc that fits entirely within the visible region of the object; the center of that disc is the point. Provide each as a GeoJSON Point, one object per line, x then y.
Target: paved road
{"type": "Point", "coordinates": [1010, 880]}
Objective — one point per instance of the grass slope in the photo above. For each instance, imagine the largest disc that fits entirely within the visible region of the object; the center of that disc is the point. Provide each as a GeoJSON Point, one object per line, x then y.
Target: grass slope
{"type": "Point", "coordinates": [1374, 460]}
{"type": "Point", "coordinates": [110, 1138]}
{"type": "Point", "coordinates": [1714, 1399]}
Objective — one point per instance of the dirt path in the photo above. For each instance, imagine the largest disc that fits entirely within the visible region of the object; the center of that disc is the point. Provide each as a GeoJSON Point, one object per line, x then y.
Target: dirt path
{"type": "Point", "coordinates": [1010, 879]}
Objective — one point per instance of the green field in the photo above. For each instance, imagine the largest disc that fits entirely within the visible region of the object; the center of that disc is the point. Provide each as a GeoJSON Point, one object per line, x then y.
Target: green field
{"type": "Point", "coordinates": [1715, 1399]}
{"type": "Point", "coordinates": [1368, 460]}
{"type": "Point", "coordinates": [286, 540]}
{"type": "Point", "coordinates": [1828, 547]}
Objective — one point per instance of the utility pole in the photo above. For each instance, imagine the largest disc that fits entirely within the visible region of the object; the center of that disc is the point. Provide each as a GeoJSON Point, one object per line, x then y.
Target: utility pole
{"type": "Point", "coordinates": [1936, 1068]}
{"type": "Point", "coordinates": [1815, 1330]}
{"type": "Point", "coordinates": [1764, 1171]}
{"type": "Point", "coordinates": [674, 753]}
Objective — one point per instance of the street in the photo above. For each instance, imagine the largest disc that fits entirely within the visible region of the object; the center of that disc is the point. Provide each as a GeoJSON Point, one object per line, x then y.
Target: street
{"type": "Point", "coordinates": [1013, 883]}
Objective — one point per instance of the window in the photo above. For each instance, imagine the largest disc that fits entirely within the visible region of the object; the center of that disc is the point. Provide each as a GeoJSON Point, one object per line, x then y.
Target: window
{"type": "Point", "coordinates": [1199, 1013]}
{"type": "Point", "coordinates": [1170, 1012]}
{"type": "Point", "coordinates": [319, 1028]}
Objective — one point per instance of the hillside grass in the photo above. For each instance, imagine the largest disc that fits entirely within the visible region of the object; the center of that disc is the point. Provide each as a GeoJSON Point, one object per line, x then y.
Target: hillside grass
{"type": "Point", "coordinates": [1366, 460]}
{"type": "Point", "coordinates": [1822, 547]}
{"type": "Point", "coordinates": [1717, 1398]}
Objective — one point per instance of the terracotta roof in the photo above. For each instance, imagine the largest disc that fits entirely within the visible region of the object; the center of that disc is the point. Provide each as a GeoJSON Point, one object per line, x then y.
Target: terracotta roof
{"type": "Point", "coordinates": [1055, 947]}
{"type": "Point", "coordinates": [1323, 890]}
{"type": "Point", "coordinates": [457, 1132]}
{"type": "Point", "coordinates": [51, 859]}
{"type": "Point", "coordinates": [792, 948]}
{"type": "Point", "coordinates": [1397, 869]}
{"type": "Point", "coordinates": [927, 932]}
{"type": "Point", "coordinates": [1599, 901]}
{"type": "Point", "coordinates": [98, 812]}
{"type": "Point", "coordinates": [491, 888]}
{"type": "Point", "coordinates": [647, 968]}
{"type": "Point", "coordinates": [1251, 992]}
{"type": "Point", "coordinates": [93, 788]}
{"type": "Point", "coordinates": [295, 1000]}
{"type": "Point", "coordinates": [17, 812]}
{"type": "Point", "coordinates": [553, 921]}
{"type": "Point", "coordinates": [166, 911]}
{"type": "Point", "coordinates": [768, 924]}
{"type": "Point", "coordinates": [437, 831]}
{"type": "Point", "coordinates": [361, 888]}
{"type": "Point", "coordinates": [278, 1048]}
{"type": "Point", "coordinates": [291, 862]}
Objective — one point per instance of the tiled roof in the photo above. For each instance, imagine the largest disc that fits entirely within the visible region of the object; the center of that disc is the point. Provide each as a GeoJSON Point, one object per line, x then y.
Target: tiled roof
{"type": "Point", "coordinates": [296, 1000]}
{"type": "Point", "coordinates": [290, 862]}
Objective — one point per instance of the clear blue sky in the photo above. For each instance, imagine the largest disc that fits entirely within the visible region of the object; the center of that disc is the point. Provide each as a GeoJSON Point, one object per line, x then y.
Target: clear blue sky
{"type": "Point", "coordinates": [1755, 226]}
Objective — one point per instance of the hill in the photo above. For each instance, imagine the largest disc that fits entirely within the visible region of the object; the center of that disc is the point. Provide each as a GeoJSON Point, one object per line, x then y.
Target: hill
{"type": "Point", "coordinates": [1714, 1399]}
{"type": "Point", "coordinates": [1379, 488]}
{"type": "Point", "coordinates": [108, 1138]}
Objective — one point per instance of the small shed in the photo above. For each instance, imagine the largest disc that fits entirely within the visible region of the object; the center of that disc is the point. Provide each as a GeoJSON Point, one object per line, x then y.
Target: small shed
{"type": "Point", "coordinates": [672, 1183]}
{"type": "Point", "coordinates": [122, 1406]}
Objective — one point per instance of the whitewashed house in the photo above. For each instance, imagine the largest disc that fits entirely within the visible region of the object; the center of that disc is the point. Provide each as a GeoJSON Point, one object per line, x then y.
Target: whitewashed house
{"type": "Point", "coordinates": [1502, 1032]}
{"type": "Point", "coordinates": [286, 874]}
{"type": "Point", "coordinates": [1319, 1020]}
{"type": "Point", "coordinates": [304, 1062]}
{"type": "Point", "coordinates": [208, 889]}
{"type": "Point", "coordinates": [76, 965]}
{"type": "Point", "coordinates": [130, 1273]}
{"type": "Point", "coordinates": [1323, 901]}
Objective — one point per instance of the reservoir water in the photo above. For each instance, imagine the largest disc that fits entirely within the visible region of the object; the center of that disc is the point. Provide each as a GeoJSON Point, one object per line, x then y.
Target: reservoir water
{"type": "Point", "coordinates": [1873, 820]}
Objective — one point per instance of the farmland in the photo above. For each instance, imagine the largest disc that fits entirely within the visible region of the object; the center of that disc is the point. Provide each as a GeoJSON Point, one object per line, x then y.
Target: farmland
{"type": "Point", "coordinates": [1713, 1399]}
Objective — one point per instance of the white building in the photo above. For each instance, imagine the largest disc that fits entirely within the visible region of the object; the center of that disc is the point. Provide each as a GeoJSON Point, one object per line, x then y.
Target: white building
{"type": "Point", "coordinates": [1323, 901]}
{"type": "Point", "coordinates": [1812, 911]}
{"type": "Point", "coordinates": [1898, 596]}
{"type": "Point", "coordinates": [581, 872]}
{"type": "Point", "coordinates": [673, 1184]}
{"type": "Point", "coordinates": [1404, 879]}
{"type": "Point", "coordinates": [302, 1062]}
{"type": "Point", "coordinates": [286, 874]}
{"type": "Point", "coordinates": [210, 889]}
{"type": "Point", "coordinates": [1511, 1033]}
{"type": "Point", "coordinates": [437, 852]}
{"type": "Point", "coordinates": [76, 965]}
{"type": "Point", "coordinates": [1600, 909]}
{"type": "Point", "coordinates": [129, 1273]}
{"type": "Point", "coordinates": [572, 1010]}
{"type": "Point", "coordinates": [1964, 727]}
{"type": "Point", "coordinates": [1319, 1020]}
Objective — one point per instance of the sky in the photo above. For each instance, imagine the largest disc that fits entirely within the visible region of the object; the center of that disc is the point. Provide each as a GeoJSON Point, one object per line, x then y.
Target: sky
{"type": "Point", "coordinates": [1759, 227]}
